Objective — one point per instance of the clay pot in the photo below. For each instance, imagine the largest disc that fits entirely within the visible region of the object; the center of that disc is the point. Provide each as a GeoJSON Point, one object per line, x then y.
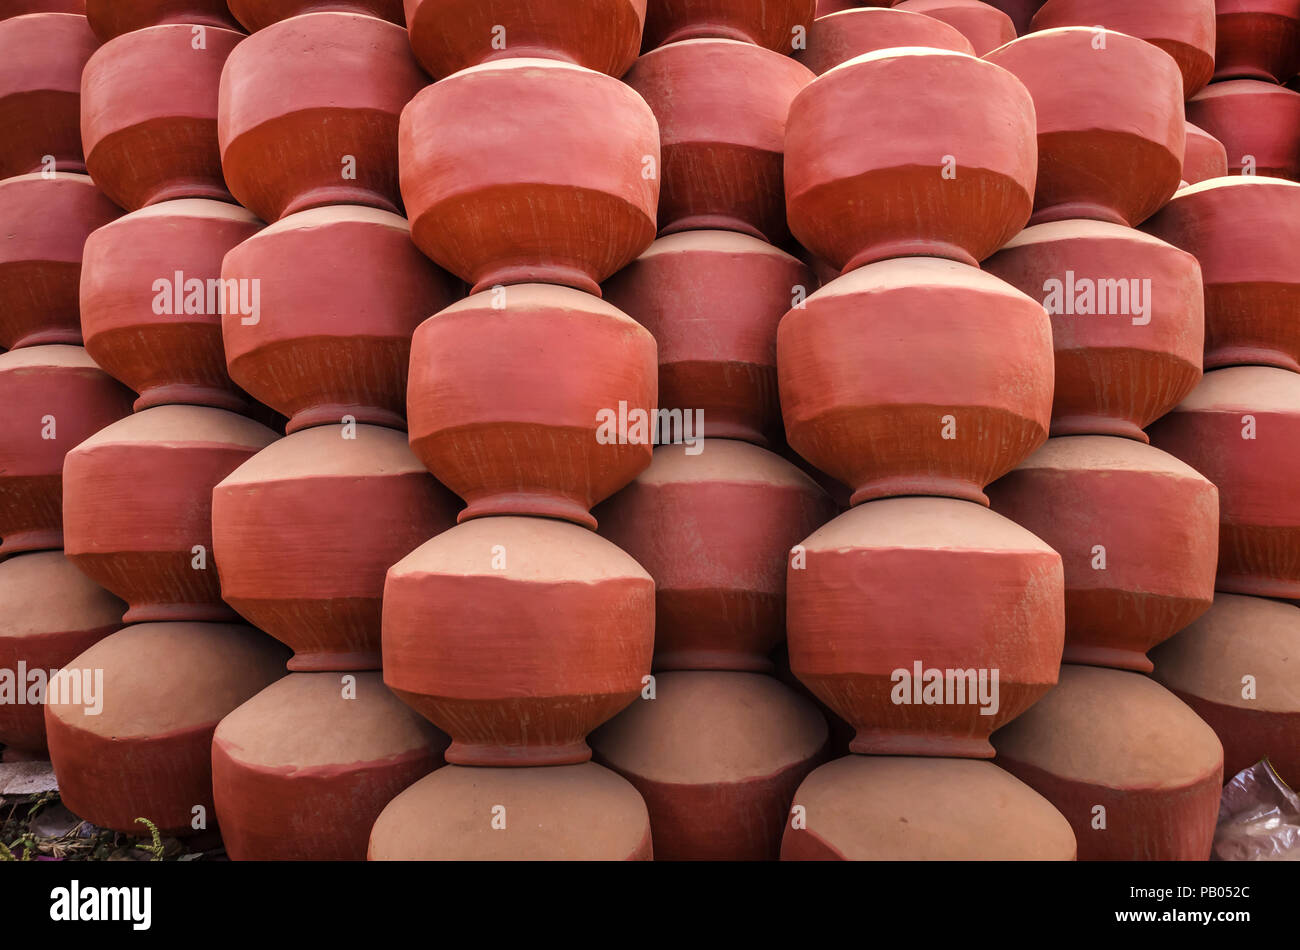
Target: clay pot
{"type": "Point", "coordinates": [451, 35]}
{"type": "Point", "coordinates": [871, 626]}
{"type": "Point", "coordinates": [1182, 28]}
{"type": "Point", "coordinates": [1128, 321]}
{"type": "Point", "coordinates": [1245, 232]}
{"type": "Point", "coordinates": [305, 530]}
{"type": "Point", "coordinates": [537, 196]}
{"type": "Point", "coordinates": [149, 310]}
{"type": "Point", "coordinates": [873, 808]}
{"type": "Point", "coordinates": [983, 24]}
{"type": "Point", "coordinates": [721, 107]}
{"type": "Point", "coordinates": [149, 111]}
{"type": "Point", "coordinates": [1257, 39]}
{"type": "Point", "coordinates": [53, 398]}
{"type": "Point", "coordinates": [301, 771]}
{"type": "Point", "coordinates": [568, 813]}
{"type": "Point", "coordinates": [959, 108]}
{"type": "Point", "coordinates": [308, 114]}
{"type": "Point", "coordinates": [45, 222]}
{"type": "Point", "coordinates": [259, 14]}
{"type": "Point", "coordinates": [1118, 741]}
{"type": "Point", "coordinates": [713, 300]}
{"type": "Point", "coordinates": [52, 613]}
{"type": "Point", "coordinates": [160, 689]}
{"type": "Point", "coordinates": [839, 37]}
{"type": "Point", "coordinates": [137, 503]}
{"type": "Point", "coordinates": [110, 18]}
{"type": "Point", "coordinates": [1110, 123]}
{"type": "Point", "coordinates": [16, 8]}
{"type": "Point", "coordinates": [717, 758]}
{"type": "Point", "coordinates": [714, 525]}
{"type": "Point", "coordinates": [41, 59]}
{"type": "Point", "coordinates": [1236, 667]}
{"type": "Point", "coordinates": [771, 24]}
{"type": "Point", "coordinates": [1241, 429]}
{"type": "Point", "coordinates": [339, 291]}
{"type": "Point", "coordinates": [916, 377]}
{"type": "Point", "coordinates": [1204, 156]}
{"type": "Point", "coordinates": [1257, 122]}
{"type": "Point", "coordinates": [517, 637]}
{"type": "Point", "coordinates": [1138, 534]}
{"type": "Point", "coordinates": [489, 420]}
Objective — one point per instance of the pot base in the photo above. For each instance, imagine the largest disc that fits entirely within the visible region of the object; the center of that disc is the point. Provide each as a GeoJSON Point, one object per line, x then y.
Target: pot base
{"type": "Point", "coordinates": [888, 250]}
{"type": "Point", "coordinates": [41, 539]}
{"type": "Point", "coordinates": [712, 222]}
{"type": "Point", "coordinates": [332, 415]}
{"type": "Point", "coordinates": [1258, 586]}
{"type": "Point", "coordinates": [537, 274]}
{"type": "Point", "coordinates": [898, 485]}
{"type": "Point", "coordinates": [1099, 425]}
{"type": "Point", "coordinates": [169, 613]}
{"type": "Point", "coordinates": [528, 505]}
{"type": "Point", "coordinates": [893, 742]}
{"type": "Point", "coordinates": [68, 335]}
{"type": "Point", "coordinates": [1112, 657]}
{"type": "Point", "coordinates": [1222, 356]}
{"type": "Point", "coordinates": [1072, 210]}
{"type": "Point", "coordinates": [360, 661]}
{"type": "Point", "coordinates": [191, 394]}
{"type": "Point", "coordinates": [338, 195]}
{"type": "Point", "coordinates": [726, 660]}
{"type": "Point", "coordinates": [470, 753]}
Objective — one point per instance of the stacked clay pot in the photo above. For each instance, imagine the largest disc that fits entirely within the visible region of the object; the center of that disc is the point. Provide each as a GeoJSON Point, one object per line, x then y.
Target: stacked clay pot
{"type": "Point", "coordinates": [521, 630]}
{"type": "Point", "coordinates": [1257, 39]}
{"type": "Point", "coordinates": [984, 25]}
{"type": "Point", "coordinates": [41, 59]}
{"type": "Point", "coordinates": [835, 38]}
{"type": "Point", "coordinates": [915, 373]}
{"type": "Point", "coordinates": [305, 531]}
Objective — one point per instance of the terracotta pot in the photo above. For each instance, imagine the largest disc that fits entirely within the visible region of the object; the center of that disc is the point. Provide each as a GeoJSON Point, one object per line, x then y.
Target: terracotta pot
{"type": "Point", "coordinates": [567, 813]}
{"type": "Point", "coordinates": [137, 506]}
{"type": "Point", "coordinates": [1021, 12]}
{"type": "Point", "coordinates": [489, 421]}
{"type": "Point", "coordinates": [301, 771]}
{"type": "Point", "coordinates": [1241, 429]}
{"type": "Point", "coordinates": [871, 631]}
{"type": "Point", "coordinates": [339, 291]}
{"type": "Point", "coordinates": [1257, 122]}
{"type": "Point", "coordinates": [1111, 132]}
{"type": "Point", "coordinates": [1182, 28]}
{"type": "Point", "coordinates": [259, 14]}
{"type": "Point", "coordinates": [1137, 531]}
{"type": "Point", "coordinates": [45, 222]}
{"type": "Point", "coordinates": [149, 312]}
{"type": "Point", "coordinates": [771, 24]}
{"type": "Point", "coordinates": [858, 407]}
{"type": "Point", "coordinates": [1204, 156]}
{"type": "Point", "coordinates": [1128, 321]}
{"type": "Point", "coordinates": [1236, 668]}
{"type": "Point", "coordinates": [41, 59]}
{"type": "Point", "coordinates": [540, 632]}
{"type": "Point", "coordinates": [960, 108]}
{"type": "Point", "coordinates": [717, 758]}
{"type": "Point", "coordinates": [160, 689]}
{"type": "Point", "coordinates": [451, 35]}
{"type": "Point", "coordinates": [983, 24]}
{"type": "Point", "coordinates": [1245, 232]}
{"type": "Point", "coordinates": [1257, 39]}
{"type": "Point", "coordinates": [735, 510]}
{"type": "Point", "coordinates": [305, 530]}
{"type": "Point", "coordinates": [110, 18]}
{"type": "Point", "coordinates": [721, 107]}
{"type": "Point", "coordinates": [539, 195]}
{"type": "Point", "coordinates": [17, 8]}
{"type": "Point", "coordinates": [149, 111]}
{"type": "Point", "coordinates": [839, 37]}
{"type": "Point", "coordinates": [308, 114]}
{"type": "Point", "coordinates": [874, 808]}
{"type": "Point", "coordinates": [1119, 742]}
{"type": "Point", "coordinates": [53, 398]}
{"type": "Point", "coordinates": [713, 300]}
{"type": "Point", "coordinates": [52, 613]}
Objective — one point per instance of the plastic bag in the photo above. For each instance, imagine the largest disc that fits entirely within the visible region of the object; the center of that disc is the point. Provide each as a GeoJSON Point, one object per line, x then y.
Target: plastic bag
{"type": "Point", "coordinates": [1259, 818]}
